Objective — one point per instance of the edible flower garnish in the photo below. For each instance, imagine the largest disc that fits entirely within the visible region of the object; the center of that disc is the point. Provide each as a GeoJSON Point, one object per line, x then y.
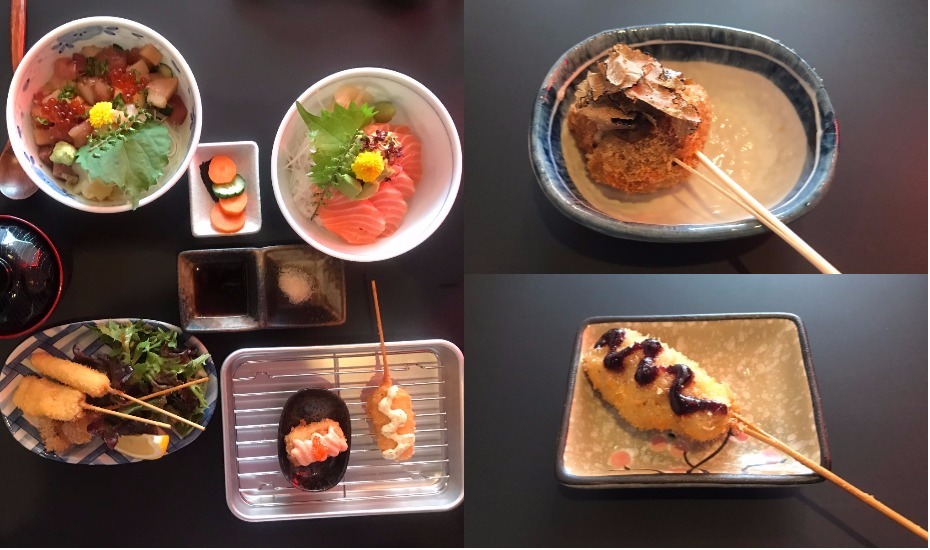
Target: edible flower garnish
{"type": "Point", "coordinates": [101, 114]}
{"type": "Point", "coordinates": [368, 166]}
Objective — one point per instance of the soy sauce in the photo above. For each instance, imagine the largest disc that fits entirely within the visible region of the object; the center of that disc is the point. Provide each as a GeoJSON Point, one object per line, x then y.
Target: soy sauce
{"type": "Point", "coordinates": [221, 288]}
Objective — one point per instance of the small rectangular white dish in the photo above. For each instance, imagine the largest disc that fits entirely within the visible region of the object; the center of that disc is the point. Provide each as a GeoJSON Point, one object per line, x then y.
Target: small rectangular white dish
{"type": "Point", "coordinates": [245, 155]}
{"type": "Point", "coordinates": [256, 382]}
{"type": "Point", "coordinates": [763, 357]}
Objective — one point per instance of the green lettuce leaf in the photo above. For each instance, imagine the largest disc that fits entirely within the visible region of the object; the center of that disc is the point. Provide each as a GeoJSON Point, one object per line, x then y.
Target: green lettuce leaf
{"type": "Point", "coordinates": [133, 162]}
{"type": "Point", "coordinates": [335, 139]}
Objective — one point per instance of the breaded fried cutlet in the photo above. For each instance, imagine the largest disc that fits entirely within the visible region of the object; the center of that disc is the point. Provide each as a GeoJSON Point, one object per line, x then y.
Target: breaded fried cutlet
{"type": "Point", "coordinates": [75, 431]}
{"type": "Point", "coordinates": [51, 437]}
{"type": "Point", "coordinates": [655, 387]}
{"type": "Point", "coordinates": [41, 397]}
{"type": "Point", "coordinates": [631, 117]}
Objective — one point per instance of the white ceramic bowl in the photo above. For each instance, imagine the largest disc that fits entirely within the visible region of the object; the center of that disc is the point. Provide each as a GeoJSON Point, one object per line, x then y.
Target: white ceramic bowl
{"type": "Point", "coordinates": [417, 108]}
{"type": "Point", "coordinates": [35, 70]}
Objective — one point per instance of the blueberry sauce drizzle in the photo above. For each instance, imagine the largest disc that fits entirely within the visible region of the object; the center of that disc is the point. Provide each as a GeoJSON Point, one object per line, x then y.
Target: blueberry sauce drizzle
{"type": "Point", "coordinates": [647, 371]}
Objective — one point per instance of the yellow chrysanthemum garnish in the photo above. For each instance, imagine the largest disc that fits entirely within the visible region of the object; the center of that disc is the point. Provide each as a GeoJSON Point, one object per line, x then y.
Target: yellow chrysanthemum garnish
{"type": "Point", "coordinates": [101, 114]}
{"type": "Point", "coordinates": [367, 166]}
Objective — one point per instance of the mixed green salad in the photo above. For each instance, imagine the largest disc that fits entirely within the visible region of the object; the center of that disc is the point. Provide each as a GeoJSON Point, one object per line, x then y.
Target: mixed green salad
{"type": "Point", "coordinates": [142, 360]}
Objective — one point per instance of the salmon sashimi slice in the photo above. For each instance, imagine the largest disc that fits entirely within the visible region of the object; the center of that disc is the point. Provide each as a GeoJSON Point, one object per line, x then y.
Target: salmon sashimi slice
{"type": "Point", "coordinates": [355, 222]}
{"type": "Point", "coordinates": [410, 159]}
{"type": "Point", "coordinates": [402, 182]}
{"type": "Point", "coordinates": [390, 202]}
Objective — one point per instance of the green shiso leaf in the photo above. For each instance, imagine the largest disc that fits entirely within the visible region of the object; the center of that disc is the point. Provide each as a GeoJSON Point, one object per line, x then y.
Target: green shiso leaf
{"type": "Point", "coordinates": [335, 136]}
{"type": "Point", "coordinates": [132, 159]}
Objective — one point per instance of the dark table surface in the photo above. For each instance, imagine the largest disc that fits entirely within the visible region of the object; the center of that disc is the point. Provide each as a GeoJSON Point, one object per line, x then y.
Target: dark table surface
{"type": "Point", "coordinates": [868, 338]}
{"type": "Point", "coordinates": [872, 220]}
{"type": "Point", "coordinates": [252, 60]}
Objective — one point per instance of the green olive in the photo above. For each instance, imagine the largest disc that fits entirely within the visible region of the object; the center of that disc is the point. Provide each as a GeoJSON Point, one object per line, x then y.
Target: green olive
{"type": "Point", "coordinates": [385, 111]}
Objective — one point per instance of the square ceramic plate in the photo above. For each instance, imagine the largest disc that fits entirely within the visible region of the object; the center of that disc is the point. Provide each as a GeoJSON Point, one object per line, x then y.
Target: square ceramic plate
{"type": "Point", "coordinates": [763, 357]}
{"type": "Point", "coordinates": [239, 289]}
{"type": "Point", "coordinates": [255, 384]}
{"type": "Point", "coordinates": [245, 155]}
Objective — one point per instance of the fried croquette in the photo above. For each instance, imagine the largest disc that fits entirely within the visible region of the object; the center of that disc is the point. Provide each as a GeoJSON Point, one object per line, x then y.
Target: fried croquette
{"type": "Point", "coordinates": [86, 379]}
{"type": "Point", "coordinates": [632, 117]}
{"type": "Point", "coordinates": [41, 397]}
{"type": "Point", "coordinates": [655, 387]}
{"type": "Point", "coordinates": [393, 421]}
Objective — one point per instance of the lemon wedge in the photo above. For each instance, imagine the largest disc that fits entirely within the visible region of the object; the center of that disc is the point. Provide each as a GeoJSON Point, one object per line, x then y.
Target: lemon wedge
{"type": "Point", "coordinates": [144, 446]}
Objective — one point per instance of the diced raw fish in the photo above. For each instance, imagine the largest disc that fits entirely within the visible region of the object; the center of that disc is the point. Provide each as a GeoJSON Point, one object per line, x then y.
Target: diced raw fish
{"type": "Point", "coordinates": [390, 202]}
{"type": "Point", "coordinates": [355, 222]}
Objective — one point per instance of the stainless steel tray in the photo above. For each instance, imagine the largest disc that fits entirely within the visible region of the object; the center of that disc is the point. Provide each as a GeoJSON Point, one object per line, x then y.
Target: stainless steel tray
{"type": "Point", "coordinates": [256, 382]}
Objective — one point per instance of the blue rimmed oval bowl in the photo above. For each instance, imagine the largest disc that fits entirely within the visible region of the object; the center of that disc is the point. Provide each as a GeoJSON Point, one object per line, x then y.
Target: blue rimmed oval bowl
{"type": "Point", "coordinates": [569, 188]}
{"type": "Point", "coordinates": [59, 341]}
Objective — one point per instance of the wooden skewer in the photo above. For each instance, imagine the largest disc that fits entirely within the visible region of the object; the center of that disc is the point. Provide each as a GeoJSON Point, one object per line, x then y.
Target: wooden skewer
{"type": "Point", "coordinates": [736, 193]}
{"type": "Point", "coordinates": [153, 407]}
{"type": "Point", "coordinates": [124, 415]}
{"type": "Point", "coordinates": [386, 377]}
{"type": "Point", "coordinates": [165, 392]}
{"type": "Point", "coordinates": [751, 429]}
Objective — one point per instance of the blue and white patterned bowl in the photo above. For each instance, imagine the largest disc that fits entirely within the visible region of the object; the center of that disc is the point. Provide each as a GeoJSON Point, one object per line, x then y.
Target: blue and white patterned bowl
{"type": "Point", "coordinates": [59, 341]}
{"type": "Point", "coordinates": [37, 67]}
{"type": "Point", "coordinates": [679, 43]}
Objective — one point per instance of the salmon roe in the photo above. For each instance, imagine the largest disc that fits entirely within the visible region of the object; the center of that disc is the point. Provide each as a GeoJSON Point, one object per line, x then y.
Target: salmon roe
{"type": "Point", "coordinates": [62, 111]}
{"type": "Point", "coordinates": [128, 82]}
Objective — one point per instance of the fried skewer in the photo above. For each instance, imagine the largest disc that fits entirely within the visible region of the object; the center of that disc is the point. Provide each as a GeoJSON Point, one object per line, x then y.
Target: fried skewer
{"type": "Point", "coordinates": [41, 397]}
{"type": "Point", "coordinates": [389, 408]}
{"type": "Point", "coordinates": [636, 375]}
{"type": "Point", "coordinates": [89, 381]}
{"type": "Point", "coordinates": [751, 429]}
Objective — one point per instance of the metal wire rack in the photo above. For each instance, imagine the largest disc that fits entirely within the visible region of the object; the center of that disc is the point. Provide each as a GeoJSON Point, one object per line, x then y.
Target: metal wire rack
{"type": "Point", "coordinates": [260, 384]}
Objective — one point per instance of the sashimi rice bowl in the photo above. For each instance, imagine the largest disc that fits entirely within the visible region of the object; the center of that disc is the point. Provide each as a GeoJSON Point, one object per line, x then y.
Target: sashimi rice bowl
{"type": "Point", "coordinates": [103, 114]}
{"type": "Point", "coordinates": [366, 164]}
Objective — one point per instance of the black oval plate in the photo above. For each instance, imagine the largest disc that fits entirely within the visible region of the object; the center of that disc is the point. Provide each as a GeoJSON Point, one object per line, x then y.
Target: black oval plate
{"type": "Point", "coordinates": [314, 405]}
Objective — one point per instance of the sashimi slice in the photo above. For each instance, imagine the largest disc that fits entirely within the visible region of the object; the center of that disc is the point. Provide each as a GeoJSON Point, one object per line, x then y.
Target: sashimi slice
{"type": "Point", "coordinates": [355, 222]}
{"type": "Point", "coordinates": [390, 202]}
{"type": "Point", "coordinates": [402, 182]}
{"type": "Point", "coordinates": [410, 159]}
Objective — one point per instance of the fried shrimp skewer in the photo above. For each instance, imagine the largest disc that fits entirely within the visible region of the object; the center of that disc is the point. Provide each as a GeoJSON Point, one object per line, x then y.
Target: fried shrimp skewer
{"type": "Point", "coordinates": [389, 408]}
{"type": "Point", "coordinates": [89, 381]}
{"type": "Point", "coordinates": [44, 398]}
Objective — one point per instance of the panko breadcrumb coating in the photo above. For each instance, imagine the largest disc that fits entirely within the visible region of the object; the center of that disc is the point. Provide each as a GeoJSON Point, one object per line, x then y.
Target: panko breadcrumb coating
{"type": "Point", "coordinates": [631, 117]}
{"type": "Point", "coordinates": [86, 379]}
{"type": "Point", "coordinates": [41, 397]}
{"type": "Point", "coordinates": [52, 439]}
{"type": "Point", "coordinates": [646, 381]}
{"type": "Point", "coordinates": [75, 431]}
{"type": "Point", "coordinates": [58, 436]}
